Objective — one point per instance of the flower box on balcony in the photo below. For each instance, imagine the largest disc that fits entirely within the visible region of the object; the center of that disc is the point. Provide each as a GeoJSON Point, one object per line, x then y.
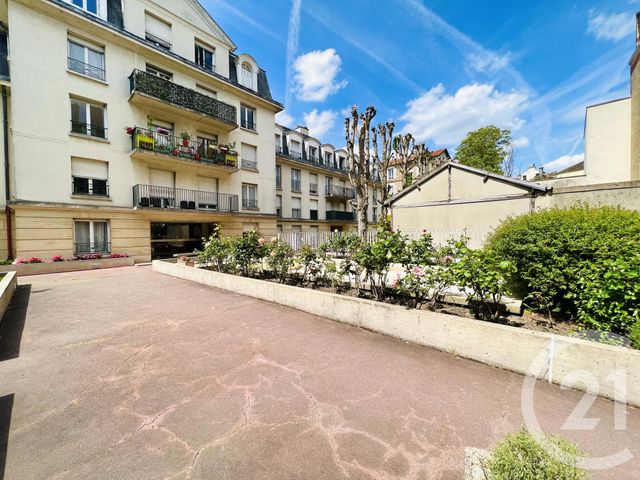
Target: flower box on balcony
{"type": "Point", "coordinates": [145, 142]}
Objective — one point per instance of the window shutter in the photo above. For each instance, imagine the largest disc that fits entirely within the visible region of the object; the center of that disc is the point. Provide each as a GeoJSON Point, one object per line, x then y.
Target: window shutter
{"type": "Point", "coordinates": [158, 28]}
{"type": "Point", "coordinates": [83, 167]}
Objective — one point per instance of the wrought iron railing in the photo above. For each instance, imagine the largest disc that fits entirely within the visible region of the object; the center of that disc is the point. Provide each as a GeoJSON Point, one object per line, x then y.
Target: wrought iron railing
{"type": "Point", "coordinates": [296, 185]}
{"type": "Point", "coordinates": [338, 215]}
{"type": "Point", "coordinates": [167, 91]}
{"type": "Point", "coordinates": [165, 144]}
{"type": "Point", "coordinates": [250, 203]}
{"type": "Point", "coordinates": [154, 196]}
{"type": "Point", "coordinates": [339, 192]}
{"type": "Point", "coordinates": [80, 248]}
{"type": "Point", "coordinates": [85, 69]}
{"type": "Point", "coordinates": [88, 129]}
{"type": "Point", "coordinates": [90, 186]}
{"type": "Point", "coordinates": [314, 161]}
{"type": "Point", "coordinates": [250, 164]}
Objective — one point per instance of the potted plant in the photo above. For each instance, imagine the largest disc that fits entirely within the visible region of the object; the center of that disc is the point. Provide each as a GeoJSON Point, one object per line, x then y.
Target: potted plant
{"type": "Point", "coordinates": [162, 131]}
{"type": "Point", "coordinates": [186, 138]}
{"type": "Point", "coordinates": [130, 130]}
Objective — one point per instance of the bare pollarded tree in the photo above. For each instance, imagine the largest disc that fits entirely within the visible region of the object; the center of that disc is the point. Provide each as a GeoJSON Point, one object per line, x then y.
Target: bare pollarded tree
{"type": "Point", "coordinates": [381, 162]}
{"type": "Point", "coordinates": [405, 159]}
{"type": "Point", "coordinates": [360, 171]}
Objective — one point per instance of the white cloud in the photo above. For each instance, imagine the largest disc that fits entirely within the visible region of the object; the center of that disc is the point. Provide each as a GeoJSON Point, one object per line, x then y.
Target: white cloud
{"type": "Point", "coordinates": [446, 119]}
{"type": "Point", "coordinates": [489, 62]}
{"type": "Point", "coordinates": [614, 26]}
{"type": "Point", "coordinates": [283, 118]}
{"type": "Point", "coordinates": [319, 123]}
{"type": "Point", "coordinates": [293, 38]}
{"type": "Point", "coordinates": [563, 162]}
{"type": "Point", "coordinates": [521, 142]}
{"type": "Point", "coordinates": [315, 75]}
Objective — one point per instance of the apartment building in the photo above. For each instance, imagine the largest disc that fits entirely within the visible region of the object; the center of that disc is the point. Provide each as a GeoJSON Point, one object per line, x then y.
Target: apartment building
{"type": "Point", "coordinates": [130, 126]}
{"type": "Point", "coordinates": [313, 190]}
{"type": "Point", "coordinates": [396, 181]}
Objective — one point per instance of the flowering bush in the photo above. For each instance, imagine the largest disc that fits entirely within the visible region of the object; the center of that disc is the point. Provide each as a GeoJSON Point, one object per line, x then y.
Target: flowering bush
{"type": "Point", "coordinates": [247, 251]}
{"type": "Point", "coordinates": [280, 257]}
{"type": "Point", "coordinates": [22, 261]}
{"type": "Point", "coordinates": [119, 255]}
{"type": "Point", "coordinates": [57, 258]}
{"type": "Point", "coordinates": [89, 256]}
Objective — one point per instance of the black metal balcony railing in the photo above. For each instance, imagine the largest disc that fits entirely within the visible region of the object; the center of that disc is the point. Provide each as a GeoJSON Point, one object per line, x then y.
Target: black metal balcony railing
{"type": "Point", "coordinates": [180, 96]}
{"type": "Point", "coordinates": [296, 185]}
{"type": "Point", "coordinates": [153, 196]}
{"type": "Point", "coordinates": [341, 192]}
{"type": "Point", "coordinates": [313, 188]}
{"type": "Point", "coordinates": [248, 125]}
{"type": "Point", "coordinates": [85, 69]}
{"type": "Point", "coordinates": [250, 203]}
{"type": "Point", "coordinates": [165, 144]}
{"type": "Point", "coordinates": [296, 213]}
{"type": "Point", "coordinates": [81, 248]}
{"type": "Point", "coordinates": [314, 161]}
{"type": "Point", "coordinates": [338, 215]}
{"type": "Point", "coordinates": [88, 129]}
{"type": "Point", "coordinates": [90, 186]}
{"type": "Point", "coordinates": [250, 164]}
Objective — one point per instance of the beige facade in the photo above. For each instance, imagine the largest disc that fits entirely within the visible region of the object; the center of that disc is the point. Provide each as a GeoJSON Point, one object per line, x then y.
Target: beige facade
{"type": "Point", "coordinates": [168, 69]}
{"type": "Point", "coordinates": [314, 193]}
{"type": "Point", "coordinates": [635, 106]}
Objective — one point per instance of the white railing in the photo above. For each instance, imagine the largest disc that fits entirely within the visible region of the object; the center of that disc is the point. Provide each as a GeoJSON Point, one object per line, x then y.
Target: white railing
{"type": "Point", "coordinates": [440, 237]}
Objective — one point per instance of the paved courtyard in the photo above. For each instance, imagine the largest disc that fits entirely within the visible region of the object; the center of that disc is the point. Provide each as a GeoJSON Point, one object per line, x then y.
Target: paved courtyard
{"type": "Point", "coordinates": [129, 374]}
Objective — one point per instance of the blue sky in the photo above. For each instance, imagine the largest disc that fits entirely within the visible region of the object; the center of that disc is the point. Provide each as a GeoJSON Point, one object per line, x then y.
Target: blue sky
{"type": "Point", "coordinates": [440, 68]}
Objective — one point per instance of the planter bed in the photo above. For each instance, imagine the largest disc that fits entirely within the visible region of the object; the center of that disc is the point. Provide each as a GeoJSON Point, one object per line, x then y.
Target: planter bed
{"type": "Point", "coordinates": [511, 348]}
{"type": "Point", "coordinates": [67, 266]}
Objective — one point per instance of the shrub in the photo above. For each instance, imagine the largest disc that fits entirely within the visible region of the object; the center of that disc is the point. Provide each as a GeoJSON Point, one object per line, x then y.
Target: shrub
{"type": "Point", "coordinates": [609, 294]}
{"type": "Point", "coordinates": [634, 335]}
{"type": "Point", "coordinates": [280, 256]}
{"type": "Point", "coordinates": [57, 258]}
{"type": "Point", "coordinates": [22, 261]}
{"type": "Point", "coordinates": [119, 255]}
{"type": "Point", "coordinates": [485, 277]}
{"type": "Point", "coordinates": [89, 256]}
{"type": "Point", "coordinates": [217, 252]}
{"type": "Point", "coordinates": [519, 456]}
{"type": "Point", "coordinates": [247, 250]}
{"type": "Point", "coordinates": [307, 260]}
{"type": "Point", "coordinates": [550, 248]}
{"type": "Point", "coordinates": [376, 258]}
{"type": "Point", "coordinates": [345, 246]}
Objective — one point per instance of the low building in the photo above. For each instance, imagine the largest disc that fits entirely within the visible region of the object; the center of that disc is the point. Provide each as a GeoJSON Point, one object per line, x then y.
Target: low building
{"type": "Point", "coordinates": [396, 181]}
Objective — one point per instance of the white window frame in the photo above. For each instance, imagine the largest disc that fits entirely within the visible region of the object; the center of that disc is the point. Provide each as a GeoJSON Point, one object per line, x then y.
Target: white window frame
{"type": "Point", "coordinates": [101, 7]}
{"type": "Point", "coordinates": [250, 187]}
{"type": "Point", "coordinates": [88, 104]}
{"type": "Point", "coordinates": [92, 223]}
{"type": "Point", "coordinates": [86, 47]}
{"type": "Point", "coordinates": [246, 75]}
{"type": "Point", "coordinates": [209, 49]}
{"type": "Point", "coordinates": [243, 109]}
{"type": "Point", "coordinates": [391, 173]}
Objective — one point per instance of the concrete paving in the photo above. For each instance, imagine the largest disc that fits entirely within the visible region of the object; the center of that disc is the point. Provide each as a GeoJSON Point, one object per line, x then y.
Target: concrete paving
{"type": "Point", "coordinates": [128, 374]}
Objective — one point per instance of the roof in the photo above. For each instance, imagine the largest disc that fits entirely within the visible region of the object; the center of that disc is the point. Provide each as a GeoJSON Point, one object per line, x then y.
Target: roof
{"type": "Point", "coordinates": [571, 168]}
{"type": "Point", "coordinates": [435, 153]}
{"type": "Point", "coordinates": [451, 164]}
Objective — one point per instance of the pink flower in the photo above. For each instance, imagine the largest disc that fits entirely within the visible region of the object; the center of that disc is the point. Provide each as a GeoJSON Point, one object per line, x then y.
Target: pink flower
{"type": "Point", "coordinates": [417, 271]}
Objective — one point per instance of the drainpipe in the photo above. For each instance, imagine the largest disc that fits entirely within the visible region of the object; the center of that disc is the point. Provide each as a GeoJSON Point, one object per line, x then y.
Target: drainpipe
{"type": "Point", "coordinates": [7, 183]}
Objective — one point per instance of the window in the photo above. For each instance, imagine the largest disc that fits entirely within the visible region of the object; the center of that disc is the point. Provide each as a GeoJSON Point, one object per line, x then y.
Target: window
{"type": "Point", "coordinates": [86, 60]}
{"type": "Point", "coordinates": [313, 210]}
{"type": "Point", "coordinates": [205, 57]}
{"type": "Point", "coordinates": [88, 119]}
{"type": "Point", "coordinates": [91, 236]}
{"type": "Point", "coordinates": [249, 196]}
{"type": "Point", "coordinates": [374, 214]}
{"type": "Point", "coordinates": [246, 75]}
{"type": "Point", "coordinates": [313, 154]}
{"type": "Point", "coordinates": [279, 206]}
{"type": "Point", "coordinates": [247, 117]}
{"type": "Point", "coordinates": [313, 184]}
{"type": "Point", "coordinates": [328, 185]}
{"type": "Point", "coordinates": [249, 156]}
{"type": "Point", "coordinates": [96, 7]}
{"type": "Point", "coordinates": [296, 207]}
{"type": "Point", "coordinates": [278, 177]}
{"type": "Point", "coordinates": [327, 158]}
{"type": "Point", "coordinates": [157, 31]}
{"type": "Point", "coordinates": [296, 183]}
{"type": "Point", "coordinates": [207, 146]}
{"type": "Point", "coordinates": [159, 73]}
{"type": "Point", "coordinates": [89, 177]}
{"type": "Point", "coordinates": [342, 163]}
{"type": "Point", "coordinates": [391, 173]}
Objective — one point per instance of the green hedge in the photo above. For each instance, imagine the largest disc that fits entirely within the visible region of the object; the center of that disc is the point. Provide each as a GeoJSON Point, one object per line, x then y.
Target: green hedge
{"type": "Point", "coordinates": [563, 258]}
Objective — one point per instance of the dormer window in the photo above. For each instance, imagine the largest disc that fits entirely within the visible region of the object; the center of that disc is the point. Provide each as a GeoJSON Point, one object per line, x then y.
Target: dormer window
{"type": "Point", "coordinates": [157, 31]}
{"type": "Point", "coordinates": [205, 57]}
{"type": "Point", "coordinates": [96, 7]}
{"type": "Point", "coordinates": [246, 77]}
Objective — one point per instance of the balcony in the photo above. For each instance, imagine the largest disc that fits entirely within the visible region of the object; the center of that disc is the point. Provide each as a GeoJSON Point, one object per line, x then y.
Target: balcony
{"type": "Point", "coordinates": [158, 146]}
{"type": "Point", "coordinates": [313, 161]}
{"type": "Point", "coordinates": [339, 193]}
{"type": "Point", "coordinates": [153, 196]}
{"type": "Point", "coordinates": [148, 90]}
{"type": "Point", "coordinates": [335, 215]}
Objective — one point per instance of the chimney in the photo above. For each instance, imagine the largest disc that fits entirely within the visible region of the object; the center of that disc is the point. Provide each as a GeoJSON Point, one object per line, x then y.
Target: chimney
{"type": "Point", "coordinates": [303, 130]}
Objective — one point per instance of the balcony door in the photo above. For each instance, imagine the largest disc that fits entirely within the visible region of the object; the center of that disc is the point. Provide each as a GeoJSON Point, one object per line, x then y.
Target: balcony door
{"type": "Point", "coordinates": [207, 193]}
{"type": "Point", "coordinates": [162, 192]}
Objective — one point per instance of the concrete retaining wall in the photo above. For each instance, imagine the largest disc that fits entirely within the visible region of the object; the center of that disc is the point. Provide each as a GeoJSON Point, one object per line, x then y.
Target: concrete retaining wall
{"type": "Point", "coordinates": [523, 351]}
{"type": "Point", "coordinates": [71, 266]}
{"type": "Point", "coordinates": [7, 287]}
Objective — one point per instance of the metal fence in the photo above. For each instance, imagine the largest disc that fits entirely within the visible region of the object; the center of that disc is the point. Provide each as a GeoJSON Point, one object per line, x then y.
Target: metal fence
{"type": "Point", "coordinates": [440, 237]}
